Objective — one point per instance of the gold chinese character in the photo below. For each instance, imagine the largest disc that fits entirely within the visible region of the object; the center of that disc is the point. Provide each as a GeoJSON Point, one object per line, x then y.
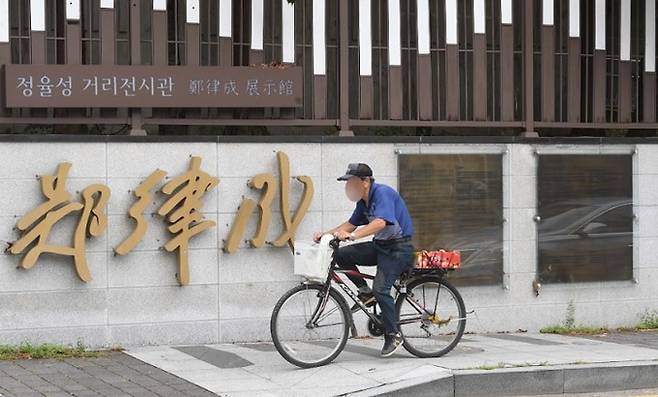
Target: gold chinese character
{"type": "Point", "coordinates": [183, 210]}
{"type": "Point", "coordinates": [265, 182]}
{"type": "Point", "coordinates": [144, 196]}
{"type": "Point", "coordinates": [93, 221]}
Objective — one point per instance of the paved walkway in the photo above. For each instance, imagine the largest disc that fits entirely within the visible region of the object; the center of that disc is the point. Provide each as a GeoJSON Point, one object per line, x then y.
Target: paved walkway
{"type": "Point", "coordinates": [257, 369]}
{"type": "Point", "coordinates": [627, 393]}
{"type": "Point", "coordinates": [117, 374]}
{"type": "Point", "coordinates": [481, 364]}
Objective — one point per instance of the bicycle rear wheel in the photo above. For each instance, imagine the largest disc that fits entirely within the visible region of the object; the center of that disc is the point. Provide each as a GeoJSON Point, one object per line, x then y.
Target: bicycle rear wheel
{"type": "Point", "coordinates": [432, 317]}
{"type": "Point", "coordinates": [307, 330]}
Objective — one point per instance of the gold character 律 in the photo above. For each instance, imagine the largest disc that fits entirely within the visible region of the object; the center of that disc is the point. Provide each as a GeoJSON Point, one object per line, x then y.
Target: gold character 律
{"type": "Point", "coordinates": [182, 210]}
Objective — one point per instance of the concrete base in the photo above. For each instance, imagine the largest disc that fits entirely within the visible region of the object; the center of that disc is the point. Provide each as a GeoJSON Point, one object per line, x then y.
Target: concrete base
{"type": "Point", "coordinates": [528, 382]}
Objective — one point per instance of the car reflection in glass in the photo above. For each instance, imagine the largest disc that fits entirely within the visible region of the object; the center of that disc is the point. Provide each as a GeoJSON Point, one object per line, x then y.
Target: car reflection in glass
{"type": "Point", "coordinates": [578, 241]}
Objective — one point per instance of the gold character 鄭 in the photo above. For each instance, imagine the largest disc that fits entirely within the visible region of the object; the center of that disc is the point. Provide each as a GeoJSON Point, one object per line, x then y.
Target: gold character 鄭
{"type": "Point", "coordinates": [37, 224]}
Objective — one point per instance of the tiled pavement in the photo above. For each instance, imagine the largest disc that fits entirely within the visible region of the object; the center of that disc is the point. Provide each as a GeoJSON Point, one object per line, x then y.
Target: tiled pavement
{"type": "Point", "coordinates": [256, 369]}
{"type": "Point", "coordinates": [116, 374]}
{"type": "Point", "coordinates": [641, 339]}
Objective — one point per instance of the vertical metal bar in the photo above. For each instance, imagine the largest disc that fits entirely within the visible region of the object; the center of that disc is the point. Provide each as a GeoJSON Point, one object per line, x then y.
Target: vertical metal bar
{"type": "Point", "coordinates": [598, 86]}
{"type": "Point", "coordinates": [649, 77]}
{"type": "Point", "coordinates": [192, 34]}
{"type": "Point", "coordinates": [599, 65]}
{"type": "Point", "coordinates": [649, 98]}
{"type": "Point", "coordinates": [73, 45]}
{"type": "Point", "coordinates": [160, 47]}
{"type": "Point", "coordinates": [343, 22]}
{"type": "Point", "coordinates": [137, 127]}
{"type": "Point", "coordinates": [365, 60]}
{"type": "Point", "coordinates": [625, 98]}
{"type": "Point", "coordinates": [548, 72]}
{"type": "Point", "coordinates": [573, 80]}
{"type": "Point", "coordinates": [424, 61]}
{"type": "Point", "coordinates": [452, 61]}
{"type": "Point", "coordinates": [159, 23]}
{"type": "Point", "coordinates": [573, 60]}
{"type": "Point", "coordinates": [108, 56]}
{"type": "Point", "coordinates": [288, 42]}
{"type": "Point", "coordinates": [506, 62]}
{"type": "Point", "coordinates": [225, 42]}
{"type": "Point", "coordinates": [528, 66]}
{"type": "Point", "coordinates": [479, 77]}
{"type": "Point", "coordinates": [225, 33]}
{"type": "Point", "coordinates": [38, 31]}
{"type": "Point", "coordinates": [288, 31]}
{"type": "Point", "coordinates": [257, 18]}
{"type": "Point", "coordinates": [479, 61]}
{"type": "Point", "coordinates": [394, 61]}
{"type": "Point", "coordinates": [624, 79]}
{"type": "Point", "coordinates": [452, 82]}
{"type": "Point", "coordinates": [73, 33]}
{"type": "Point", "coordinates": [135, 33]}
{"type": "Point", "coordinates": [319, 60]}
{"type": "Point", "coordinates": [5, 51]}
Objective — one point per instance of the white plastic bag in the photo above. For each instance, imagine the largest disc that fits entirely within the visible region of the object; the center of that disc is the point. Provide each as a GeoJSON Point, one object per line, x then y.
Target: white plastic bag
{"type": "Point", "coordinates": [312, 260]}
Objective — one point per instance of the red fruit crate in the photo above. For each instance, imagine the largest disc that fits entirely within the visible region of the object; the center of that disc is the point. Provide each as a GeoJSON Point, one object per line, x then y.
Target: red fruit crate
{"type": "Point", "coordinates": [441, 259]}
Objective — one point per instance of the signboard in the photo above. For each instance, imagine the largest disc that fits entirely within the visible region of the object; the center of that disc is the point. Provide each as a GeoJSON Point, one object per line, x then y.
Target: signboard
{"type": "Point", "coordinates": [104, 86]}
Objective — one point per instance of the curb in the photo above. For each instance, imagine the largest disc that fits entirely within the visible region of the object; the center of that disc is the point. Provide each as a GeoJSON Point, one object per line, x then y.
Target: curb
{"type": "Point", "coordinates": [558, 379]}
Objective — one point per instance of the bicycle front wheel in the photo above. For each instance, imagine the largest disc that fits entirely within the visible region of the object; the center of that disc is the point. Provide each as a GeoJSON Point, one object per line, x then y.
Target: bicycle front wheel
{"type": "Point", "coordinates": [307, 329]}
{"type": "Point", "coordinates": [432, 317]}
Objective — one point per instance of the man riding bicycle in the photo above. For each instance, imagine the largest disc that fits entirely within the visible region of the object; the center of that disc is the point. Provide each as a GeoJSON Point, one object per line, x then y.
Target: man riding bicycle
{"type": "Point", "coordinates": [383, 213]}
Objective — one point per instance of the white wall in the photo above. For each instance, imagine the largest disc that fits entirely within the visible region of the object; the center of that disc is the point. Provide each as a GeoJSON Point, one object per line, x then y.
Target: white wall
{"type": "Point", "coordinates": [136, 299]}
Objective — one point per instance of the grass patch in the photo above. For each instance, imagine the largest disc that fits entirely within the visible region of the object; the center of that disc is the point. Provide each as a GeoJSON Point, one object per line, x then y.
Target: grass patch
{"type": "Point", "coordinates": [569, 326]}
{"type": "Point", "coordinates": [502, 364]}
{"type": "Point", "coordinates": [573, 330]}
{"type": "Point", "coordinates": [491, 367]}
{"type": "Point", "coordinates": [27, 351]}
{"type": "Point", "coordinates": [649, 320]}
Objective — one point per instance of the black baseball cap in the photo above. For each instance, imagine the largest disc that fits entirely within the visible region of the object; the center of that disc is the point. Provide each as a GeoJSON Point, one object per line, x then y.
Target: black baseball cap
{"type": "Point", "coordinates": [356, 169]}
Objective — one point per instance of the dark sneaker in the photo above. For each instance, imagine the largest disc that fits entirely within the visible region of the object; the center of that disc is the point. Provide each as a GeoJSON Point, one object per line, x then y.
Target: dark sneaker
{"type": "Point", "coordinates": [368, 299]}
{"type": "Point", "coordinates": [391, 344]}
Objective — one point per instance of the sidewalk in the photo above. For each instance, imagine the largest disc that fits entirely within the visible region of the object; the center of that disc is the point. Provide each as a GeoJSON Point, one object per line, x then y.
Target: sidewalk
{"type": "Point", "coordinates": [116, 374]}
{"type": "Point", "coordinates": [492, 364]}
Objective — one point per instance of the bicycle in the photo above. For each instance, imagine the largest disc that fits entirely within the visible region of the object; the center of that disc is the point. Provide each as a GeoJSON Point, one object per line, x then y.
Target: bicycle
{"type": "Point", "coordinates": [310, 323]}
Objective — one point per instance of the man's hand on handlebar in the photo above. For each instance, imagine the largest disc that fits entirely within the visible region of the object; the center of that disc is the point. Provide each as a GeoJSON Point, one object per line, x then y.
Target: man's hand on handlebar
{"type": "Point", "coordinates": [342, 235]}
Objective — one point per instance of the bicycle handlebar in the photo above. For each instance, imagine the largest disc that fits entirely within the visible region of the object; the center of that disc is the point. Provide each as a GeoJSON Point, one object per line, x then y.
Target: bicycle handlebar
{"type": "Point", "coordinates": [335, 243]}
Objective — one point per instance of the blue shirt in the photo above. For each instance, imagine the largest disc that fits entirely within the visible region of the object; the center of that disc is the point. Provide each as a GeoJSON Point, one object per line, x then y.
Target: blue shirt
{"type": "Point", "coordinates": [387, 204]}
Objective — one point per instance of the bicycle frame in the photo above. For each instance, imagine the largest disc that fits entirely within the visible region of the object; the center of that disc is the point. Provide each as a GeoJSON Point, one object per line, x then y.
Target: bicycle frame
{"type": "Point", "coordinates": [334, 276]}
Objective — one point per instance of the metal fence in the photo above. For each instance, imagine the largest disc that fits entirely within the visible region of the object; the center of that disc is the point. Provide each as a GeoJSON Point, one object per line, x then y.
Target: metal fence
{"type": "Point", "coordinates": [529, 65]}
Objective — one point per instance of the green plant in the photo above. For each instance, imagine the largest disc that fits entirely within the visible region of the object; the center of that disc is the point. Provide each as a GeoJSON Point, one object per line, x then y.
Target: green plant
{"type": "Point", "coordinates": [28, 351]}
{"type": "Point", "coordinates": [489, 367]}
{"type": "Point", "coordinates": [502, 364]}
{"type": "Point", "coordinates": [570, 320]}
{"type": "Point", "coordinates": [649, 320]}
{"type": "Point", "coordinates": [569, 327]}
{"type": "Point", "coordinates": [574, 330]}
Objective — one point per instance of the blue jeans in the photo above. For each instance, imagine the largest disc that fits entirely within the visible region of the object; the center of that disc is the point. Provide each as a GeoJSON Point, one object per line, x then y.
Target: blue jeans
{"type": "Point", "coordinates": [391, 260]}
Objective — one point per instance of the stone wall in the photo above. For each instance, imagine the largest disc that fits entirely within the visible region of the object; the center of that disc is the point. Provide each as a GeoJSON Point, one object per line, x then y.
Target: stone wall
{"type": "Point", "coordinates": [136, 299]}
